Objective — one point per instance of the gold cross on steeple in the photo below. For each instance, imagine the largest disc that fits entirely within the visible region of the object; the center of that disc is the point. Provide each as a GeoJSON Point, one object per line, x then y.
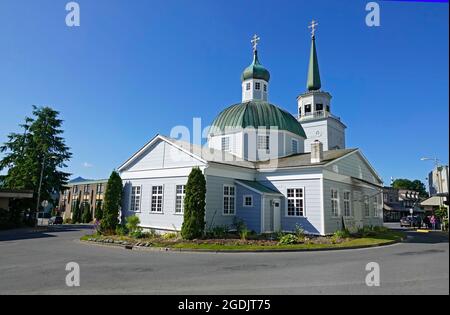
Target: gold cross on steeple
{"type": "Point", "coordinates": [255, 42]}
{"type": "Point", "coordinates": [313, 26]}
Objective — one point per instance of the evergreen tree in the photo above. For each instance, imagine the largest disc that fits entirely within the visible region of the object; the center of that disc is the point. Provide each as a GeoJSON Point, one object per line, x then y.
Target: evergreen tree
{"type": "Point", "coordinates": [111, 204]}
{"type": "Point", "coordinates": [76, 213]}
{"type": "Point", "coordinates": [194, 206]}
{"type": "Point", "coordinates": [98, 210]}
{"type": "Point", "coordinates": [39, 150]}
{"type": "Point", "coordinates": [87, 214]}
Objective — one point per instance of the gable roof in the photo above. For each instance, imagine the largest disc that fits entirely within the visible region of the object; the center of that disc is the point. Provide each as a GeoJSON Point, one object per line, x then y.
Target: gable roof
{"type": "Point", "coordinates": [207, 155]}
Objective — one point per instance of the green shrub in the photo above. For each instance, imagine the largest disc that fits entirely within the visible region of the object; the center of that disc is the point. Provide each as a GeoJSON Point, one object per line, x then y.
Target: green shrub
{"type": "Point", "coordinates": [239, 225]}
{"type": "Point", "coordinates": [87, 214]}
{"type": "Point", "coordinates": [341, 234]}
{"type": "Point", "coordinates": [288, 239]}
{"type": "Point", "coordinates": [132, 224]}
{"type": "Point", "coordinates": [194, 206]}
{"type": "Point", "coordinates": [244, 233]}
{"type": "Point", "coordinates": [121, 230]}
{"type": "Point", "coordinates": [111, 204]}
{"type": "Point", "coordinates": [218, 232]}
{"type": "Point", "coordinates": [170, 236]}
{"type": "Point", "coordinates": [299, 231]}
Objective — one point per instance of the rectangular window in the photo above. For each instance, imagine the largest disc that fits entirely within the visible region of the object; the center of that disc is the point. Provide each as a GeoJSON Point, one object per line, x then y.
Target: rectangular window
{"type": "Point", "coordinates": [263, 143]}
{"type": "Point", "coordinates": [294, 146]}
{"type": "Point", "coordinates": [319, 107]}
{"type": "Point", "coordinates": [86, 189]}
{"type": "Point", "coordinates": [366, 206]}
{"type": "Point", "coordinates": [157, 199]}
{"type": "Point", "coordinates": [257, 86]}
{"type": "Point", "coordinates": [295, 203]}
{"type": "Point", "coordinates": [308, 108]}
{"type": "Point", "coordinates": [265, 87]}
{"type": "Point", "coordinates": [99, 188]}
{"type": "Point", "coordinates": [75, 189]}
{"type": "Point", "coordinates": [248, 201]}
{"type": "Point", "coordinates": [248, 86]}
{"type": "Point", "coordinates": [226, 144]}
{"type": "Point", "coordinates": [229, 198]}
{"type": "Point", "coordinates": [135, 203]}
{"type": "Point", "coordinates": [375, 207]}
{"type": "Point", "coordinates": [179, 200]}
{"type": "Point", "coordinates": [334, 202]}
{"type": "Point", "coordinates": [347, 204]}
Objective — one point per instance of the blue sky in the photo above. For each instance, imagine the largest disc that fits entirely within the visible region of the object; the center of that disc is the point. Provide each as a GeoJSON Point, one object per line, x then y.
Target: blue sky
{"type": "Point", "coordinates": [137, 68]}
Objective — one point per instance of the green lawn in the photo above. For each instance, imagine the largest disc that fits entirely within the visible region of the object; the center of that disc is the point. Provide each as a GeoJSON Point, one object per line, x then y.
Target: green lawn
{"type": "Point", "coordinates": [379, 239]}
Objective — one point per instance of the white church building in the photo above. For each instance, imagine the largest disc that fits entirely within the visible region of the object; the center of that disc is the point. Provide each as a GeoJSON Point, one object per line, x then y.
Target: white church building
{"type": "Point", "coordinates": [262, 165]}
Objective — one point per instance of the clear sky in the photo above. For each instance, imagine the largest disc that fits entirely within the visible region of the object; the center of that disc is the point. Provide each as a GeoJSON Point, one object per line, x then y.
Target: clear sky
{"type": "Point", "coordinates": [137, 68]}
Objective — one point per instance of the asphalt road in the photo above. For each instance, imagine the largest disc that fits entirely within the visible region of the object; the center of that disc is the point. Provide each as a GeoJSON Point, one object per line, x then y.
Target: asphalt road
{"type": "Point", "coordinates": [34, 263]}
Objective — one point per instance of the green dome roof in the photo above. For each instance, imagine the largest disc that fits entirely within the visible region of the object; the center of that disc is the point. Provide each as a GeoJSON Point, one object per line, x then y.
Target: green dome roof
{"type": "Point", "coordinates": [255, 114]}
{"type": "Point", "coordinates": [256, 70]}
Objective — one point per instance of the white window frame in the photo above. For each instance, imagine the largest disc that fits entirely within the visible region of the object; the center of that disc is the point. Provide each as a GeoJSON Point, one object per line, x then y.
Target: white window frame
{"type": "Point", "coordinates": [156, 195]}
{"type": "Point", "coordinates": [296, 197]}
{"type": "Point", "coordinates": [244, 201]}
{"type": "Point", "coordinates": [229, 197]}
{"type": "Point", "coordinates": [296, 146]}
{"type": "Point", "coordinates": [335, 202]}
{"type": "Point", "coordinates": [349, 202]}
{"type": "Point", "coordinates": [181, 195]}
{"type": "Point", "coordinates": [366, 206]}
{"type": "Point", "coordinates": [135, 198]}
{"type": "Point", "coordinates": [263, 144]}
{"type": "Point", "coordinates": [225, 144]}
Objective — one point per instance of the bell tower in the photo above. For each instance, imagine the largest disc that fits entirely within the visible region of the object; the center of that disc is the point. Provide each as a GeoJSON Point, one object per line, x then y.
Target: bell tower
{"type": "Point", "coordinates": [314, 107]}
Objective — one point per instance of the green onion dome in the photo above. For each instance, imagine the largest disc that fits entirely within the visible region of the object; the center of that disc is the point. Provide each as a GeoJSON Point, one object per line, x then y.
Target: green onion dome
{"type": "Point", "coordinates": [255, 114]}
{"type": "Point", "coordinates": [256, 70]}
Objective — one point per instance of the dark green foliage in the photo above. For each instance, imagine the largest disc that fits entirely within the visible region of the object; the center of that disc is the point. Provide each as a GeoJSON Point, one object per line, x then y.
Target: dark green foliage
{"type": "Point", "coordinates": [415, 185]}
{"type": "Point", "coordinates": [194, 206]}
{"type": "Point", "coordinates": [111, 204]}
{"type": "Point", "coordinates": [76, 213]}
{"type": "Point", "coordinates": [99, 210]}
{"type": "Point", "coordinates": [87, 214]}
{"type": "Point", "coordinates": [25, 153]}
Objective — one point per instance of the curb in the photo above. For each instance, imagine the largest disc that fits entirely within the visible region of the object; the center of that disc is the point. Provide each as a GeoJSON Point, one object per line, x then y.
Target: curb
{"type": "Point", "coordinates": [284, 250]}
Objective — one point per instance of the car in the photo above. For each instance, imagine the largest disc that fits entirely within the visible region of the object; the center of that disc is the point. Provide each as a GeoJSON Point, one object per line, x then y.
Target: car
{"type": "Point", "coordinates": [55, 220]}
{"type": "Point", "coordinates": [410, 221]}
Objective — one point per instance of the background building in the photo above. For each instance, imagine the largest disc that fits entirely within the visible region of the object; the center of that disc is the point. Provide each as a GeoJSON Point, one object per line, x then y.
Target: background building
{"type": "Point", "coordinates": [82, 191]}
{"type": "Point", "coordinates": [397, 203]}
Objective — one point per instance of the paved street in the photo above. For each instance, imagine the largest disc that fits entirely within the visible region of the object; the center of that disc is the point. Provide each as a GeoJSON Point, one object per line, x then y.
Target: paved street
{"type": "Point", "coordinates": [34, 263]}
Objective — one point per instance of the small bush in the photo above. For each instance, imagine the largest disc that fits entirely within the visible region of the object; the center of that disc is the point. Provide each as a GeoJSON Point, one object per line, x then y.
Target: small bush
{"type": "Point", "coordinates": [121, 230]}
{"type": "Point", "coordinates": [341, 234]}
{"type": "Point", "coordinates": [288, 239]}
{"type": "Point", "coordinates": [239, 225]}
{"type": "Point", "coordinates": [244, 233]}
{"type": "Point", "coordinates": [170, 236]}
{"type": "Point", "coordinates": [132, 224]}
{"type": "Point", "coordinates": [299, 231]}
{"type": "Point", "coordinates": [137, 234]}
{"type": "Point", "coordinates": [219, 232]}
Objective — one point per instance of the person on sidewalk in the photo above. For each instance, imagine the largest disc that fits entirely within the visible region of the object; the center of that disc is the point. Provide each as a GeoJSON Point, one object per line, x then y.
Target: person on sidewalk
{"type": "Point", "coordinates": [433, 222]}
